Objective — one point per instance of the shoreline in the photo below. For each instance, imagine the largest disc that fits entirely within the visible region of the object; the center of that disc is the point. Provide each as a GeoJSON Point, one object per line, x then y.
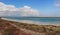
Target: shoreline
{"type": "Point", "coordinates": [29, 22]}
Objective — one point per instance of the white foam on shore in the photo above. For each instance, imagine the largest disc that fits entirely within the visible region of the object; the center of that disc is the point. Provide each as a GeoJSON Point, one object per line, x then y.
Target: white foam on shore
{"type": "Point", "coordinates": [31, 22]}
{"type": "Point", "coordinates": [23, 21]}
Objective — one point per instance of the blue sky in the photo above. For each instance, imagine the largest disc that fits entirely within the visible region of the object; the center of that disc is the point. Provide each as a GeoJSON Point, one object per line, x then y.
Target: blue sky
{"type": "Point", "coordinates": [45, 7]}
{"type": "Point", "coordinates": [33, 3]}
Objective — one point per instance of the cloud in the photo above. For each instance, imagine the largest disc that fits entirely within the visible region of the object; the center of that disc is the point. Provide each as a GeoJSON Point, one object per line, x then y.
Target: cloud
{"type": "Point", "coordinates": [11, 10]}
{"type": "Point", "coordinates": [57, 3]}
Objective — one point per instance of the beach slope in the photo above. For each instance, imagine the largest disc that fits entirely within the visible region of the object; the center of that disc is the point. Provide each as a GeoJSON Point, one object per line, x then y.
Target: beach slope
{"type": "Point", "coordinates": [17, 28]}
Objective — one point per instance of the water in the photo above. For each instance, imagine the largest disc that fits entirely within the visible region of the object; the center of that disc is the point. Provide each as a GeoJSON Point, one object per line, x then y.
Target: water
{"type": "Point", "coordinates": [37, 20]}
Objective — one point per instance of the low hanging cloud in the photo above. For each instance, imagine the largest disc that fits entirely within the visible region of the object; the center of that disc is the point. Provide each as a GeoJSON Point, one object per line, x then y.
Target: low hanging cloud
{"type": "Point", "coordinates": [11, 10]}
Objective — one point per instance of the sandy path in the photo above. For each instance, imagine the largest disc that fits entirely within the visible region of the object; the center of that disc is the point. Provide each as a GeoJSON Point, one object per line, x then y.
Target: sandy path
{"type": "Point", "coordinates": [27, 32]}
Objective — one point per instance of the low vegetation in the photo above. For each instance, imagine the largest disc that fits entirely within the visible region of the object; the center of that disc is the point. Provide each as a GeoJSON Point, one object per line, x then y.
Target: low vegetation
{"type": "Point", "coordinates": [47, 29]}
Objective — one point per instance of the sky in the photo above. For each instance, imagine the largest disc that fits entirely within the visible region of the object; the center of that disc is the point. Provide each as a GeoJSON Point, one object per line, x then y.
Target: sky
{"type": "Point", "coordinates": [33, 8]}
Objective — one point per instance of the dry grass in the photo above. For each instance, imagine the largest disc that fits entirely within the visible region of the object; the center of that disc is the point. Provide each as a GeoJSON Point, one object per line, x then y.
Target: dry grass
{"type": "Point", "coordinates": [46, 29]}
